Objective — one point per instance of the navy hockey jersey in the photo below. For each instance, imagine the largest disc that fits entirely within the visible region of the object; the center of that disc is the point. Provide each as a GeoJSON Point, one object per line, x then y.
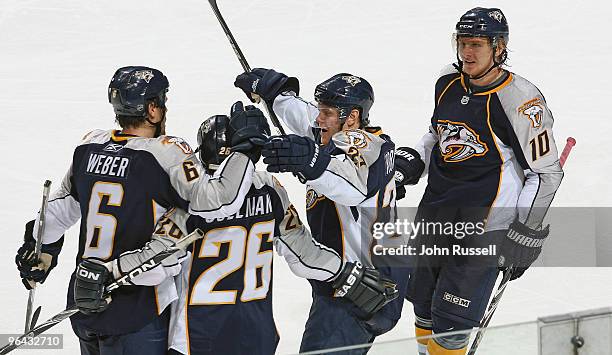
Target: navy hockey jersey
{"type": "Point", "coordinates": [491, 147]}
{"type": "Point", "coordinates": [119, 186]}
{"type": "Point", "coordinates": [226, 286]}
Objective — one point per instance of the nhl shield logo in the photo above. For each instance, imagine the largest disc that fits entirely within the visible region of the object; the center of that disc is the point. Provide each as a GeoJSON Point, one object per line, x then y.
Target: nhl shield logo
{"type": "Point", "coordinates": [145, 75]}
{"type": "Point", "coordinates": [351, 79]}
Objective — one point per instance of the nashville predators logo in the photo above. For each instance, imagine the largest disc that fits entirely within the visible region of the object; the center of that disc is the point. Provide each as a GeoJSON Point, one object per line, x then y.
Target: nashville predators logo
{"type": "Point", "coordinates": [145, 75]}
{"type": "Point", "coordinates": [351, 79]}
{"type": "Point", "coordinates": [458, 142]}
{"type": "Point", "coordinates": [357, 138]}
{"type": "Point", "coordinates": [534, 111]}
{"type": "Point", "coordinates": [312, 198]}
{"type": "Point", "coordinates": [497, 15]}
{"type": "Point", "coordinates": [179, 142]}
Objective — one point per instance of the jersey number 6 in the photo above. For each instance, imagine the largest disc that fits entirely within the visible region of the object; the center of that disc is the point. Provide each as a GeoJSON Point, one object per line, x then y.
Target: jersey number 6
{"type": "Point", "coordinates": [101, 226]}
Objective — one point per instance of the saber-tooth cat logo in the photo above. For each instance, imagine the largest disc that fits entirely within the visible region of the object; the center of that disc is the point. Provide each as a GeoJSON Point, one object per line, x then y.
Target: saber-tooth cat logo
{"type": "Point", "coordinates": [351, 79]}
{"type": "Point", "coordinates": [496, 15]}
{"type": "Point", "coordinates": [458, 142]}
{"type": "Point", "coordinates": [145, 75]}
{"type": "Point", "coordinates": [534, 111]}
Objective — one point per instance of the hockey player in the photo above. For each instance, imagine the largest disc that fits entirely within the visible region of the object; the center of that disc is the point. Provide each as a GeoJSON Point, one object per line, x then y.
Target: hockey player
{"type": "Point", "coordinates": [491, 157]}
{"type": "Point", "coordinates": [119, 184]}
{"type": "Point", "coordinates": [226, 287]}
{"type": "Point", "coordinates": [348, 168]}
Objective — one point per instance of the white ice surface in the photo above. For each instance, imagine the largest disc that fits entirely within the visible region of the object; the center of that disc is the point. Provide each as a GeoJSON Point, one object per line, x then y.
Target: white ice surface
{"type": "Point", "coordinates": [57, 57]}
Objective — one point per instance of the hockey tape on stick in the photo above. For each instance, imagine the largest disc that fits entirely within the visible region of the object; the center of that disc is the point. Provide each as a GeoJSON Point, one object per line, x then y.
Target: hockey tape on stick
{"type": "Point", "coordinates": [571, 142]}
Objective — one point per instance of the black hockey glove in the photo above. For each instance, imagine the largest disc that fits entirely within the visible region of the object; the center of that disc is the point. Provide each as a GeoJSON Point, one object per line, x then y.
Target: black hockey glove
{"type": "Point", "coordinates": [249, 130]}
{"type": "Point", "coordinates": [266, 83]}
{"type": "Point", "coordinates": [408, 166]}
{"type": "Point", "coordinates": [90, 281]}
{"type": "Point", "coordinates": [400, 192]}
{"type": "Point", "coordinates": [31, 269]}
{"type": "Point", "coordinates": [364, 287]}
{"type": "Point", "coordinates": [521, 247]}
{"type": "Point", "coordinates": [299, 155]}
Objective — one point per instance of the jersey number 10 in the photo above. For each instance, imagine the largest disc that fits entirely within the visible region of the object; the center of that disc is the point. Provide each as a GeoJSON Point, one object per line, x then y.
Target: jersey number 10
{"type": "Point", "coordinates": [539, 146]}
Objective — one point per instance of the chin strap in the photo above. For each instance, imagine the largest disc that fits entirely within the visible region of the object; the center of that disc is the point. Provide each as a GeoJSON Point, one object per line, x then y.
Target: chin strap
{"type": "Point", "coordinates": [459, 67]}
{"type": "Point", "coordinates": [158, 125]}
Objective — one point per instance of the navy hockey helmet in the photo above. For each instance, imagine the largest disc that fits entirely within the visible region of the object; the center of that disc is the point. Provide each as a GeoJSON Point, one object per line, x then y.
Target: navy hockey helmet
{"type": "Point", "coordinates": [347, 92]}
{"type": "Point", "coordinates": [131, 87]}
{"type": "Point", "coordinates": [483, 22]}
{"type": "Point", "coordinates": [214, 141]}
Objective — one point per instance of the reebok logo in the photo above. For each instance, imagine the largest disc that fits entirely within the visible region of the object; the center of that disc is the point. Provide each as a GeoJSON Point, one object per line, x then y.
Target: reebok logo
{"type": "Point", "coordinates": [254, 86]}
{"type": "Point", "coordinates": [449, 297]}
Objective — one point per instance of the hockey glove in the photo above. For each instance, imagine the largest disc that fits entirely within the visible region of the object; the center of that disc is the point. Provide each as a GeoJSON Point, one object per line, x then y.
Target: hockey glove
{"type": "Point", "coordinates": [31, 269]}
{"type": "Point", "coordinates": [521, 247]}
{"type": "Point", "coordinates": [292, 153]}
{"type": "Point", "coordinates": [90, 281]}
{"type": "Point", "coordinates": [364, 287]}
{"type": "Point", "coordinates": [266, 83]}
{"type": "Point", "coordinates": [400, 192]}
{"type": "Point", "coordinates": [249, 130]}
{"type": "Point", "coordinates": [408, 166]}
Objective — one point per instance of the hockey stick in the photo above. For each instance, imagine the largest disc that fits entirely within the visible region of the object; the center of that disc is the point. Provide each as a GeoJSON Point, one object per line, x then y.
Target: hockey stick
{"type": "Point", "coordinates": [149, 264]}
{"type": "Point", "coordinates": [41, 228]}
{"type": "Point", "coordinates": [571, 142]}
{"type": "Point", "coordinates": [245, 66]}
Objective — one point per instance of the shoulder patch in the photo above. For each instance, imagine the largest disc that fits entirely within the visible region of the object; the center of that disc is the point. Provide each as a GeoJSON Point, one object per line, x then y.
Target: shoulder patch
{"type": "Point", "coordinates": [357, 138]}
{"type": "Point", "coordinates": [276, 182]}
{"type": "Point", "coordinates": [87, 135]}
{"type": "Point", "coordinates": [533, 111]}
{"type": "Point", "coordinates": [312, 197]}
{"type": "Point", "coordinates": [179, 142]}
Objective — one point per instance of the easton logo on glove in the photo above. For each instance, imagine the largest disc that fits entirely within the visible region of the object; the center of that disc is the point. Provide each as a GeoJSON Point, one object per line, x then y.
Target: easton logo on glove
{"type": "Point", "coordinates": [350, 280]}
{"type": "Point", "coordinates": [86, 274]}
